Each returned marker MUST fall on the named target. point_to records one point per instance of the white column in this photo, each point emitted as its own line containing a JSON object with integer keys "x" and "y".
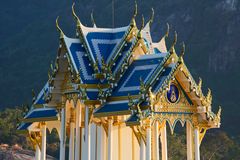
{"x": 78, "y": 138}
{"x": 189, "y": 141}
{"x": 164, "y": 142}
{"x": 142, "y": 150}
{"x": 156, "y": 138}
{"x": 110, "y": 146}
{"x": 44, "y": 136}
{"x": 148, "y": 147}
{"x": 71, "y": 139}
{"x": 197, "y": 145}
{"x": 37, "y": 153}
{"x": 87, "y": 133}
{"x": 63, "y": 135}
{"x": 101, "y": 143}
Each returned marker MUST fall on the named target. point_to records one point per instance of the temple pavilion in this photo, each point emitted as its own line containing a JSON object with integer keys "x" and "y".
{"x": 111, "y": 93}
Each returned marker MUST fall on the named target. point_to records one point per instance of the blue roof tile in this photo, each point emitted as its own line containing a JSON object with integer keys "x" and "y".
{"x": 41, "y": 113}
{"x": 140, "y": 68}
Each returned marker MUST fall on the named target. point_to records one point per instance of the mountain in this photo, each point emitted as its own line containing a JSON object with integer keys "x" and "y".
{"x": 210, "y": 30}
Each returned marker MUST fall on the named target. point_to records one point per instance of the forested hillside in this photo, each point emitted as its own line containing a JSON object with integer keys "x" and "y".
{"x": 210, "y": 30}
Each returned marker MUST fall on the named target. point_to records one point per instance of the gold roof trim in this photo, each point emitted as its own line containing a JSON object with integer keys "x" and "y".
{"x": 120, "y": 98}
{"x": 106, "y": 114}
{"x": 41, "y": 119}
{"x": 94, "y": 86}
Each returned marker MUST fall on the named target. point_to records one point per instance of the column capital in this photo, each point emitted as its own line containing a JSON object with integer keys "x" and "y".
{"x": 195, "y": 121}
{"x": 147, "y": 123}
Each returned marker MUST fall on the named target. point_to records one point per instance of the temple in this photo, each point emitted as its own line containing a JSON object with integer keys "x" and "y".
{"x": 112, "y": 92}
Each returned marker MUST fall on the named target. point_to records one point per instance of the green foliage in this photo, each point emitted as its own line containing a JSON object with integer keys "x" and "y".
{"x": 9, "y": 120}
{"x": 219, "y": 146}
{"x": 216, "y": 145}
{"x": 177, "y": 148}
{"x": 53, "y": 145}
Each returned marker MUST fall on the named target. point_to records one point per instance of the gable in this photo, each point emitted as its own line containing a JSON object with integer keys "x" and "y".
{"x": 103, "y": 43}
{"x": 80, "y": 61}
{"x": 175, "y": 100}
{"x": 142, "y": 68}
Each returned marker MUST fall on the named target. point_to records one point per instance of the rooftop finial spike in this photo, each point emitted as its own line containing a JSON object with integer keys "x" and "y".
{"x": 133, "y": 22}
{"x": 219, "y": 112}
{"x": 183, "y": 49}
{"x": 175, "y": 38}
{"x": 174, "y": 42}
{"x": 152, "y": 17}
{"x": 143, "y": 23}
{"x": 167, "y": 31}
{"x": 200, "y": 83}
{"x": 75, "y": 16}
{"x": 58, "y": 28}
{"x": 93, "y": 20}
{"x": 182, "y": 53}
{"x": 135, "y": 10}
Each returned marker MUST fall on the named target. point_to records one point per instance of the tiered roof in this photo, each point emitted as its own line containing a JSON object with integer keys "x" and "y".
{"x": 115, "y": 69}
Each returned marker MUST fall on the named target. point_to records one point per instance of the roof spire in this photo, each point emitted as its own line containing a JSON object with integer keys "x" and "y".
{"x": 200, "y": 83}
{"x": 152, "y": 17}
{"x": 93, "y": 20}
{"x": 135, "y": 9}
{"x": 183, "y": 49}
{"x": 59, "y": 29}
{"x": 167, "y": 31}
{"x": 174, "y": 42}
{"x": 75, "y": 16}
{"x": 182, "y": 53}
{"x": 142, "y": 26}
{"x": 133, "y": 22}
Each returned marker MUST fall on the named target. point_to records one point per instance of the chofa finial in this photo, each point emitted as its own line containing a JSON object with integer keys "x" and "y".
{"x": 175, "y": 38}
{"x": 152, "y": 17}
{"x": 200, "y": 83}
{"x": 143, "y": 23}
{"x": 58, "y": 28}
{"x": 174, "y": 42}
{"x": 167, "y": 31}
{"x": 75, "y": 15}
{"x": 133, "y": 22}
{"x": 93, "y": 20}
{"x": 183, "y": 50}
{"x": 135, "y": 10}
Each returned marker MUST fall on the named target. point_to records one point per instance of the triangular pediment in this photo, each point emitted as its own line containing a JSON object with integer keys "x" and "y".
{"x": 174, "y": 99}
{"x": 103, "y": 43}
